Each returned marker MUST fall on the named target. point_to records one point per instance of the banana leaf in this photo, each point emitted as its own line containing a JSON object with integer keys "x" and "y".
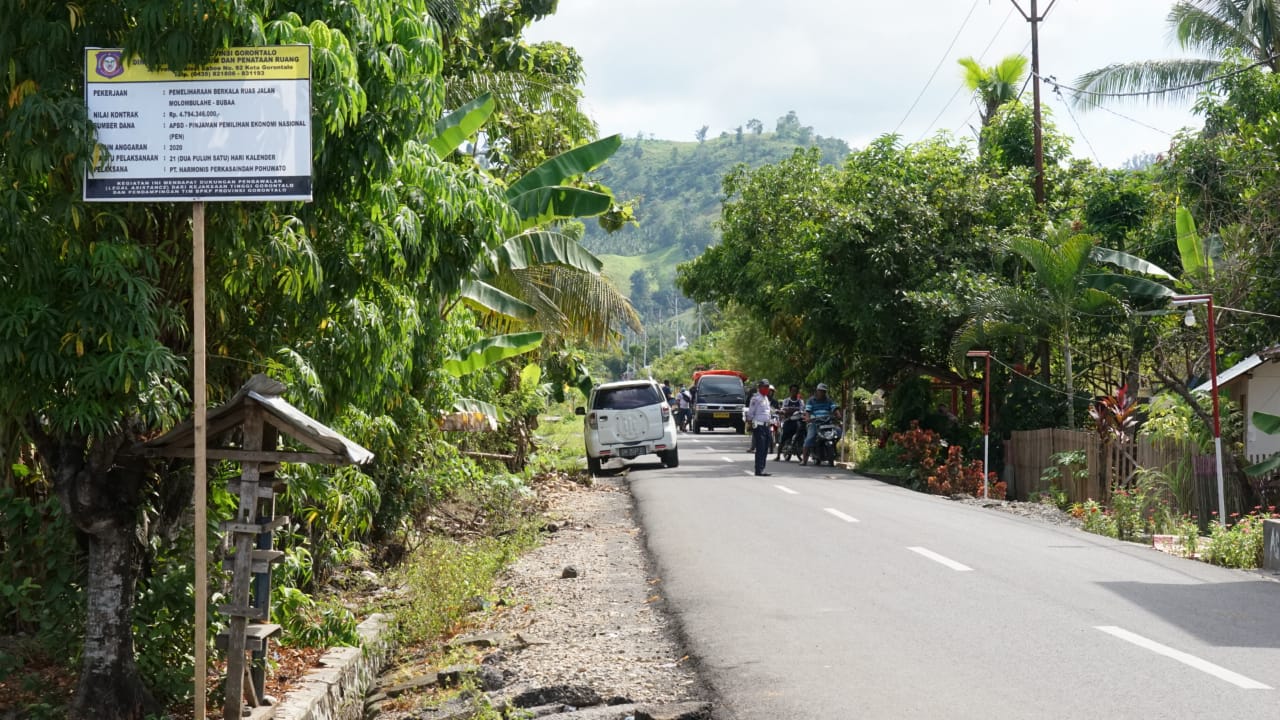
{"x": 490, "y": 350}
{"x": 1128, "y": 262}
{"x": 454, "y": 129}
{"x": 543, "y": 204}
{"x": 487, "y": 298}
{"x": 568, "y": 164}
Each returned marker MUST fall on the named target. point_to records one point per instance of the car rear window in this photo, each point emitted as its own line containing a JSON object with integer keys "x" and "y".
{"x": 627, "y": 398}
{"x": 719, "y": 386}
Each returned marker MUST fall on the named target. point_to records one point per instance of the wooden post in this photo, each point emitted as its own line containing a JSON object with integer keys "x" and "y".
{"x": 242, "y": 566}
{"x": 201, "y": 400}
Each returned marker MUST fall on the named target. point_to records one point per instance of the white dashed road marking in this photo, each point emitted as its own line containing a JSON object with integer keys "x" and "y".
{"x": 1185, "y": 658}
{"x": 786, "y": 490}
{"x": 941, "y": 559}
{"x": 842, "y": 516}
{"x": 726, "y": 459}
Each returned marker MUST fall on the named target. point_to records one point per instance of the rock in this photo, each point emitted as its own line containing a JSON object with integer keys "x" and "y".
{"x": 421, "y": 682}
{"x": 569, "y": 572}
{"x": 453, "y": 675}
{"x": 604, "y": 712}
{"x": 460, "y": 708}
{"x": 618, "y": 700}
{"x": 529, "y": 640}
{"x": 550, "y": 527}
{"x": 675, "y": 711}
{"x": 575, "y": 695}
{"x": 544, "y": 710}
{"x": 491, "y": 678}
{"x": 497, "y": 657}
{"x": 375, "y": 699}
{"x": 484, "y": 640}
{"x": 478, "y": 603}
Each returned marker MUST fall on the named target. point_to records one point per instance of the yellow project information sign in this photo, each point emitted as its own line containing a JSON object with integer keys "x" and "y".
{"x": 276, "y": 62}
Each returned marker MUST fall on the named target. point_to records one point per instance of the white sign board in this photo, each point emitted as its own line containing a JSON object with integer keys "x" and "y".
{"x": 238, "y": 128}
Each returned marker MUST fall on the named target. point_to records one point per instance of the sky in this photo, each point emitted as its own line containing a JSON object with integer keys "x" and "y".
{"x": 854, "y": 68}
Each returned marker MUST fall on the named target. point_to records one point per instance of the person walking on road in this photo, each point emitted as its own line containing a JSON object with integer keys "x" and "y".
{"x": 759, "y": 413}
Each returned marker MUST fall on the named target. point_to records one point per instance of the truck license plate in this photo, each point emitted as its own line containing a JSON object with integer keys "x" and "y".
{"x": 720, "y": 416}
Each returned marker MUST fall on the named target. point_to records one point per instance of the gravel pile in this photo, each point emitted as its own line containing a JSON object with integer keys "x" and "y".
{"x": 1044, "y": 512}
{"x": 581, "y": 633}
{"x": 590, "y": 607}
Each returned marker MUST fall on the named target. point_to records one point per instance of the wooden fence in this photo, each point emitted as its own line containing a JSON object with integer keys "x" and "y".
{"x": 1194, "y": 475}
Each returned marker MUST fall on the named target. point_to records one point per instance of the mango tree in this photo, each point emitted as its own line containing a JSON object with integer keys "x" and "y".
{"x": 342, "y": 294}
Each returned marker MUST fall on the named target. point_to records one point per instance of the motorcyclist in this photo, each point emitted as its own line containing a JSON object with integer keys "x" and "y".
{"x": 684, "y": 403}
{"x": 816, "y": 410}
{"x": 791, "y": 409}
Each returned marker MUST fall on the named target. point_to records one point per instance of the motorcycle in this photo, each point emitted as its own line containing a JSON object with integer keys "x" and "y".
{"x": 795, "y": 443}
{"x": 824, "y": 444}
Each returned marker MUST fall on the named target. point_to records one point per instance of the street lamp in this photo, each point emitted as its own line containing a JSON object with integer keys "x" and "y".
{"x": 1177, "y": 301}
{"x": 986, "y": 416}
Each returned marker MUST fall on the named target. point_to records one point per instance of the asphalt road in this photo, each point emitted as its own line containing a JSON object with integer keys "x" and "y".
{"x": 816, "y": 593}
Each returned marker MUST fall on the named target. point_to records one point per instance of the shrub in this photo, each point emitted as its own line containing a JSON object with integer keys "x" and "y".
{"x": 957, "y": 476}
{"x": 1238, "y": 546}
{"x": 920, "y": 450}
{"x": 1096, "y": 519}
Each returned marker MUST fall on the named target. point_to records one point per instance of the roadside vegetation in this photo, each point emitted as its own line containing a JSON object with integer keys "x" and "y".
{"x": 432, "y": 304}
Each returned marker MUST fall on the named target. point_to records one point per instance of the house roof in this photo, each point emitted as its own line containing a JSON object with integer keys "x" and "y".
{"x": 265, "y": 392}
{"x": 1234, "y": 372}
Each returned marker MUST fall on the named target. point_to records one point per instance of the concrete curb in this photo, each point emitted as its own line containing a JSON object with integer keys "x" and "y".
{"x": 337, "y": 690}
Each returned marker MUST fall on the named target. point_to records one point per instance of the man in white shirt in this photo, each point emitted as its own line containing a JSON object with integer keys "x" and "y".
{"x": 759, "y": 413}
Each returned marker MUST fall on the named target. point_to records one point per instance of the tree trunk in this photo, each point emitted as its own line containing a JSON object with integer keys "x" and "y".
{"x": 101, "y": 493}
{"x": 110, "y": 687}
{"x": 1071, "y": 384}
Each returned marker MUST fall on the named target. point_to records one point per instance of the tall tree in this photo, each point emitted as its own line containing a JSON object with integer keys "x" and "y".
{"x": 341, "y": 294}
{"x": 995, "y": 85}
{"x": 1216, "y": 28}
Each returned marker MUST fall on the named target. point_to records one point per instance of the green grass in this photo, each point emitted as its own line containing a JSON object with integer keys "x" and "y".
{"x": 444, "y": 576}
{"x": 560, "y": 445}
{"x": 619, "y": 268}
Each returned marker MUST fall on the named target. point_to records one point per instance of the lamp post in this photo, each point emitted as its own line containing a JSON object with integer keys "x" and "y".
{"x": 1179, "y": 300}
{"x": 986, "y": 417}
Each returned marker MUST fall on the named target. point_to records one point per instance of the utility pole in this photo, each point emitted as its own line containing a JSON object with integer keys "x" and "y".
{"x": 1035, "y": 17}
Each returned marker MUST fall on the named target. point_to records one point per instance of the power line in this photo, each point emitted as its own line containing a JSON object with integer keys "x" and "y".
{"x": 1076, "y": 122}
{"x": 938, "y": 67}
{"x": 963, "y": 86}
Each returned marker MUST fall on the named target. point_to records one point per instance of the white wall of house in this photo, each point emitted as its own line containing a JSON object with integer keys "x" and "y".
{"x": 1262, "y": 394}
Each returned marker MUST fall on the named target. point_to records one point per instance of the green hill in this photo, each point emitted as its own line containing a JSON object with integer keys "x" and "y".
{"x": 678, "y": 185}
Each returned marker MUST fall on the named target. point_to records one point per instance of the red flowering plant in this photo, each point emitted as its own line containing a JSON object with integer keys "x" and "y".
{"x": 957, "y": 476}
{"x": 920, "y": 450}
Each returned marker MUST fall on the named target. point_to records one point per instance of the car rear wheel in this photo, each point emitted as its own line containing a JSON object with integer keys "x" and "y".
{"x": 741, "y": 428}
{"x": 670, "y": 458}
{"x": 593, "y": 465}
{"x": 697, "y": 429}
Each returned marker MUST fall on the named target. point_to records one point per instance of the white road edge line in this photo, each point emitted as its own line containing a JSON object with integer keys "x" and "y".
{"x": 1185, "y": 658}
{"x": 941, "y": 559}
{"x": 786, "y": 490}
{"x": 726, "y": 459}
{"x": 842, "y": 516}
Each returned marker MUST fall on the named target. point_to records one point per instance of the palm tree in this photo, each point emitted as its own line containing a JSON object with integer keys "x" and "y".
{"x": 1216, "y": 28}
{"x": 996, "y": 85}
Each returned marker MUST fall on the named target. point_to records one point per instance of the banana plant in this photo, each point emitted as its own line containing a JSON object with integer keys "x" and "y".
{"x": 1269, "y": 424}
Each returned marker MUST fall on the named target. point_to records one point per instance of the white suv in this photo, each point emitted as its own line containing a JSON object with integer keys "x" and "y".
{"x": 626, "y": 420}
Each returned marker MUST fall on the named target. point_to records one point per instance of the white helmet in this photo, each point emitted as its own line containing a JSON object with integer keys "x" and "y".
{"x": 822, "y": 386}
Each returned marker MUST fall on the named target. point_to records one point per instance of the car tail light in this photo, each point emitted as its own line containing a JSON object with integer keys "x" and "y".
{"x": 666, "y": 412}
{"x": 591, "y": 420}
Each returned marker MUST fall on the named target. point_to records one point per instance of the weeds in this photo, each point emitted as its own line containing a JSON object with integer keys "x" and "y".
{"x": 442, "y": 578}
